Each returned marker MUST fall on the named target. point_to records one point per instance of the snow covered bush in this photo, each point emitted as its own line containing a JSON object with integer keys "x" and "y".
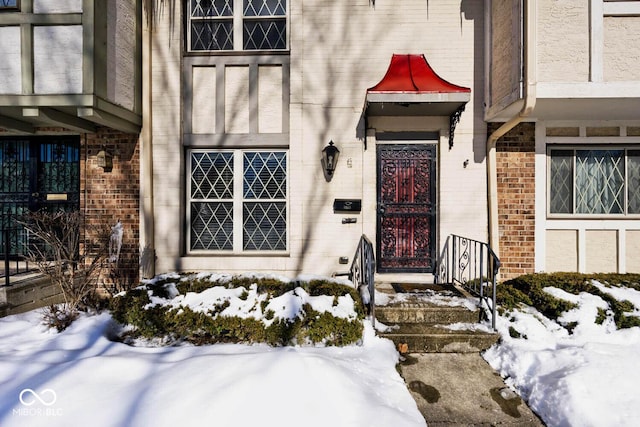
{"x": 212, "y": 308}
{"x": 530, "y": 290}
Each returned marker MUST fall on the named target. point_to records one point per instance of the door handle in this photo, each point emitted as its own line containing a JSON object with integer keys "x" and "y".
{"x": 36, "y": 194}
{"x": 381, "y": 209}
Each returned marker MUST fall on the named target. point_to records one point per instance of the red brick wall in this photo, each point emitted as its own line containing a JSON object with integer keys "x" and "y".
{"x": 515, "y": 162}
{"x": 109, "y": 196}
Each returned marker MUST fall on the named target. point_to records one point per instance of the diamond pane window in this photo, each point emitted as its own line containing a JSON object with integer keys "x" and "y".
{"x": 227, "y": 25}
{"x": 265, "y": 226}
{"x": 237, "y": 200}
{"x": 211, "y": 226}
{"x": 265, "y": 175}
{"x": 265, "y": 34}
{"x": 594, "y": 181}
{"x": 265, "y": 178}
{"x": 265, "y": 7}
{"x": 212, "y": 35}
{"x": 211, "y": 8}
{"x": 211, "y": 175}
{"x": 633, "y": 179}
{"x": 561, "y": 177}
{"x": 599, "y": 181}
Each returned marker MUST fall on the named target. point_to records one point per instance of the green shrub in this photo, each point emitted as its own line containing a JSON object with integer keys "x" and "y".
{"x": 184, "y": 324}
{"x": 528, "y": 289}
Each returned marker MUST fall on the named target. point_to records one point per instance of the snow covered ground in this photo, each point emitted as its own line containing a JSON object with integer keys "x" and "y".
{"x": 588, "y": 378}
{"x": 79, "y": 377}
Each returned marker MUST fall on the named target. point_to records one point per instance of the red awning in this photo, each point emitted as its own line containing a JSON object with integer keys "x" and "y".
{"x": 411, "y": 83}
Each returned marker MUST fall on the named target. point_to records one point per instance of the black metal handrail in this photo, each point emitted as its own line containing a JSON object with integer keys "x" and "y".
{"x": 473, "y": 265}
{"x": 12, "y": 253}
{"x": 362, "y": 273}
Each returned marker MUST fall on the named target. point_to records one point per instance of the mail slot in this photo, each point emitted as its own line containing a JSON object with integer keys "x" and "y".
{"x": 347, "y": 205}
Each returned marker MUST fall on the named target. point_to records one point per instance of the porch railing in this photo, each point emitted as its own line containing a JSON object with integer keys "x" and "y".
{"x": 362, "y": 273}
{"x": 14, "y": 262}
{"x": 474, "y": 266}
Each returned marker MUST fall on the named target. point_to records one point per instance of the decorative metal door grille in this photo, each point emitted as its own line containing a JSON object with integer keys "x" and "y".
{"x": 36, "y": 173}
{"x": 406, "y": 208}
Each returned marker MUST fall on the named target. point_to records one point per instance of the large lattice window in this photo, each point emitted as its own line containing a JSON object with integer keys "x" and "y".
{"x": 237, "y": 201}
{"x": 233, "y": 25}
{"x": 594, "y": 181}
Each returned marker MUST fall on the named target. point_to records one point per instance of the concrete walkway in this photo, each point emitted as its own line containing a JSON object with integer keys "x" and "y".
{"x": 461, "y": 389}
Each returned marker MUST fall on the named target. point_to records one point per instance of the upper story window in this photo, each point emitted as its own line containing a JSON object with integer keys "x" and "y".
{"x": 594, "y": 181}
{"x": 9, "y": 5}
{"x": 237, "y": 25}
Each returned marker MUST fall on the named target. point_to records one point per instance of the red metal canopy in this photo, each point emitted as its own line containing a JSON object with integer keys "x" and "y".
{"x": 413, "y": 74}
{"x": 411, "y": 88}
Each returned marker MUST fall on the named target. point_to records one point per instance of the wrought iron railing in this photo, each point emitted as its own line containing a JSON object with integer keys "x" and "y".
{"x": 474, "y": 266}
{"x": 12, "y": 255}
{"x": 362, "y": 274}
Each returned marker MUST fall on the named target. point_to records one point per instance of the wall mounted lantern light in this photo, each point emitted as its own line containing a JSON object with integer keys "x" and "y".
{"x": 104, "y": 160}
{"x": 330, "y": 155}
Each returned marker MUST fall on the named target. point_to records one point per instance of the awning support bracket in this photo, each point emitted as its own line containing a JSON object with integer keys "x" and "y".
{"x": 453, "y": 122}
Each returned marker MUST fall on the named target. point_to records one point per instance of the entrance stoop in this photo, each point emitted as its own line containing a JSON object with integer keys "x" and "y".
{"x": 432, "y": 318}
{"x": 442, "y": 366}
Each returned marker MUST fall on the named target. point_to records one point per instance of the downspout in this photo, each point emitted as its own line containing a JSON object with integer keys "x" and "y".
{"x": 529, "y": 95}
{"x": 148, "y": 251}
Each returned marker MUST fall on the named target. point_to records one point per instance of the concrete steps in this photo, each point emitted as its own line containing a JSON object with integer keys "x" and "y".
{"x": 417, "y": 324}
{"x": 420, "y": 312}
{"x": 415, "y": 338}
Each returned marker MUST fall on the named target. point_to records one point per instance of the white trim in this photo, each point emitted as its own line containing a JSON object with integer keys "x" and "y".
{"x": 623, "y": 90}
{"x": 540, "y": 194}
{"x": 588, "y": 140}
{"x": 402, "y": 97}
{"x": 582, "y": 250}
{"x": 238, "y": 33}
{"x": 621, "y": 8}
{"x": 596, "y": 64}
{"x": 622, "y": 253}
{"x": 593, "y": 224}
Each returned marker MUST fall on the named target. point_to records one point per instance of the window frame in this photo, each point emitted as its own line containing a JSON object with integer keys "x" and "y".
{"x": 626, "y": 148}
{"x": 238, "y": 19}
{"x": 238, "y": 199}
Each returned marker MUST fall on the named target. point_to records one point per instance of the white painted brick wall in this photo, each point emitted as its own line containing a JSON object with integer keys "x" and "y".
{"x": 338, "y": 50}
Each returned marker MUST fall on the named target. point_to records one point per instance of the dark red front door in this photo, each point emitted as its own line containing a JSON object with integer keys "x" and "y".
{"x": 406, "y": 207}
